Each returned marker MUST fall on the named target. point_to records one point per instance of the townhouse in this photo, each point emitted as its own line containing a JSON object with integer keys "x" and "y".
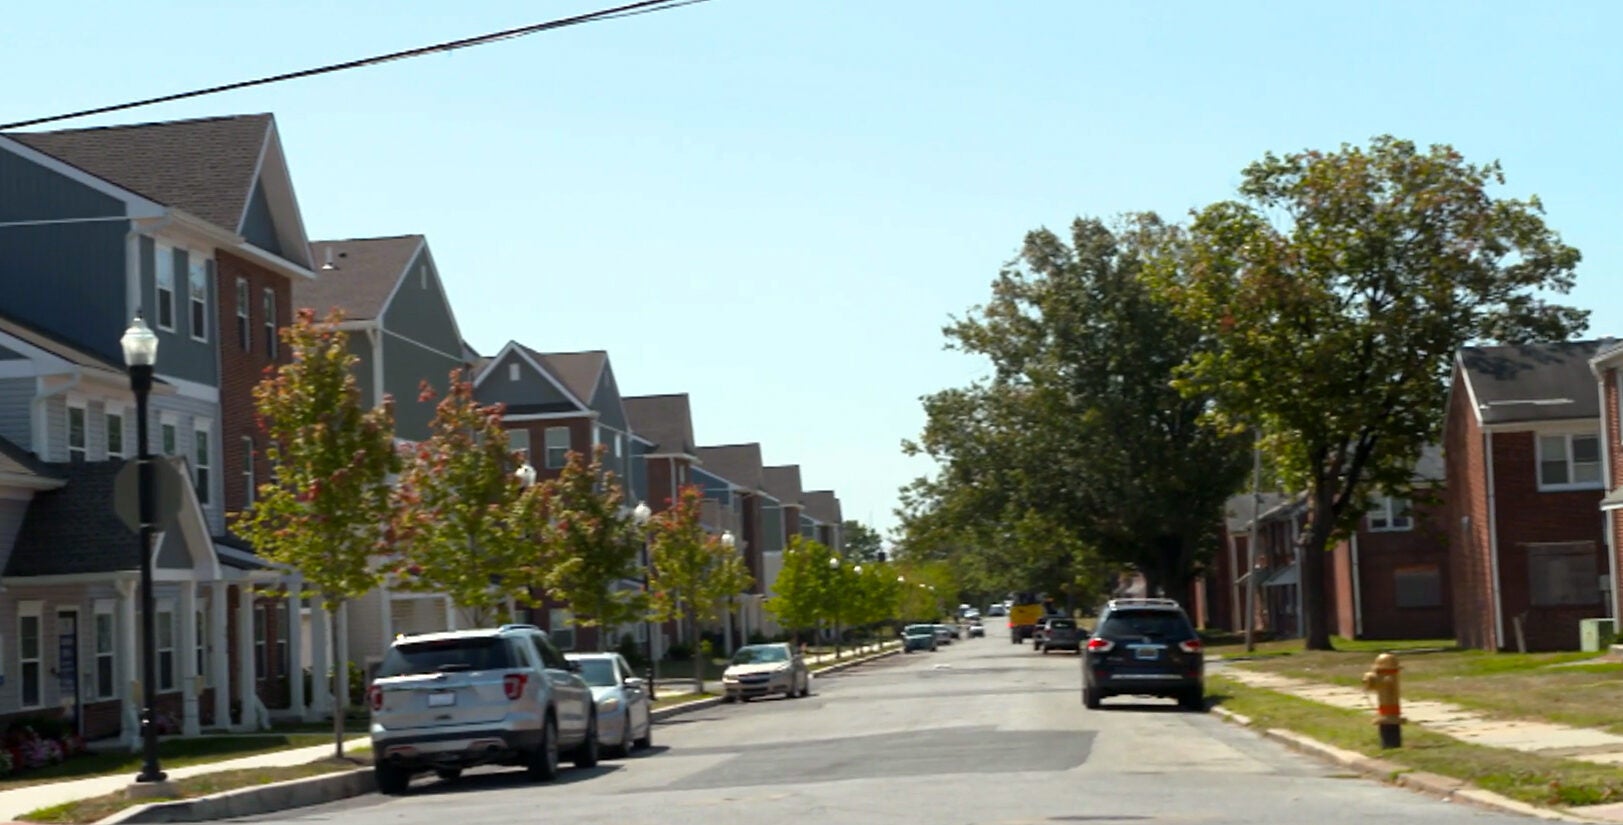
{"x": 1390, "y": 576}
{"x": 762, "y": 521}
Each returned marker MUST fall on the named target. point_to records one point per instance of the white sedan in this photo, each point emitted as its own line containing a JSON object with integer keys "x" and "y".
{"x": 624, "y": 707}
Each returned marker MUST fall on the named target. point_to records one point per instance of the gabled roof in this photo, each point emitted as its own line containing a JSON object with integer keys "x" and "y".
{"x": 738, "y": 463}
{"x": 579, "y": 372}
{"x": 74, "y": 529}
{"x": 364, "y": 274}
{"x": 56, "y": 346}
{"x": 666, "y": 420}
{"x": 782, "y": 482}
{"x": 1238, "y": 510}
{"x": 19, "y": 467}
{"x": 823, "y": 506}
{"x": 1532, "y": 382}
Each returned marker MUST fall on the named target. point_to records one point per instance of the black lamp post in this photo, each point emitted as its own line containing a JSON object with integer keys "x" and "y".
{"x": 641, "y": 515}
{"x": 729, "y": 542}
{"x": 140, "y": 353}
{"x": 834, "y": 572}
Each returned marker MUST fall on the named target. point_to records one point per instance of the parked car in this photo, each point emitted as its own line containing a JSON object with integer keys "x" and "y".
{"x": 944, "y": 634}
{"x": 449, "y": 701}
{"x": 918, "y": 637}
{"x": 996, "y": 610}
{"x": 1144, "y": 647}
{"x": 1060, "y": 633}
{"x": 976, "y": 629}
{"x": 625, "y": 718}
{"x": 762, "y": 670}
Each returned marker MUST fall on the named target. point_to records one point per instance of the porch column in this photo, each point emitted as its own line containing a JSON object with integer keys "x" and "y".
{"x": 295, "y": 645}
{"x": 130, "y": 685}
{"x": 320, "y": 660}
{"x": 191, "y": 684}
{"x": 341, "y": 664}
{"x": 246, "y": 696}
{"x": 220, "y": 651}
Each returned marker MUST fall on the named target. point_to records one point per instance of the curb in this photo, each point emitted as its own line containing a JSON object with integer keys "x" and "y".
{"x": 661, "y": 714}
{"x": 837, "y": 667}
{"x": 1445, "y": 788}
{"x": 263, "y": 799}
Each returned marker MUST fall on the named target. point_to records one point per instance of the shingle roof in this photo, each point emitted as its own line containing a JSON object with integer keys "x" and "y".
{"x": 577, "y": 371}
{"x": 666, "y": 420}
{"x": 205, "y": 167}
{"x": 13, "y": 458}
{"x": 823, "y": 506}
{"x": 363, "y": 275}
{"x": 782, "y": 482}
{"x": 74, "y": 529}
{"x": 1533, "y": 382}
{"x": 738, "y": 463}
{"x": 56, "y": 346}
{"x": 1238, "y": 510}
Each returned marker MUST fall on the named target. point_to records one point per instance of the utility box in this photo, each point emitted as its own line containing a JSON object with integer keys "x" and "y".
{"x": 1595, "y": 634}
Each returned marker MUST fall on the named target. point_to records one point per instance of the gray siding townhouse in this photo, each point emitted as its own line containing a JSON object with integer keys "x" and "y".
{"x": 761, "y": 517}
{"x": 823, "y": 507}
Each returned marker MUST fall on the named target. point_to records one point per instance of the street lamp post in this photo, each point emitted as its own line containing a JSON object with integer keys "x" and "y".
{"x": 834, "y": 572}
{"x": 858, "y": 571}
{"x": 729, "y": 542}
{"x": 140, "y": 346}
{"x": 641, "y": 514}
{"x": 526, "y": 479}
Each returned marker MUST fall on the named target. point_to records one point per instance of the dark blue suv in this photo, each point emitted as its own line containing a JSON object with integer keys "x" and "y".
{"x": 1144, "y": 647}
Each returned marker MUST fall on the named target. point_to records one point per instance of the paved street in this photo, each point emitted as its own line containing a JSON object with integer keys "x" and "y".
{"x": 982, "y": 732}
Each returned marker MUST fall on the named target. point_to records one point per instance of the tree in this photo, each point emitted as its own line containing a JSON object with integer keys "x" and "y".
{"x": 862, "y": 543}
{"x": 465, "y": 524}
{"x": 797, "y": 592}
{"x": 593, "y": 547}
{"x": 693, "y": 571}
{"x": 326, "y": 508}
{"x": 1337, "y": 289}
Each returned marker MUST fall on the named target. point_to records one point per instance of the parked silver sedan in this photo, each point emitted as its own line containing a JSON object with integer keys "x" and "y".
{"x": 624, "y": 707}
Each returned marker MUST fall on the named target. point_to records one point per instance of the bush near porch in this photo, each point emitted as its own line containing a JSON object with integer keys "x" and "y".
{"x": 37, "y": 742}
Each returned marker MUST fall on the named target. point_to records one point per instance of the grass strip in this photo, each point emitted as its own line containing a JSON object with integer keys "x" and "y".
{"x": 1527, "y": 777}
{"x": 174, "y": 753}
{"x": 97, "y": 808}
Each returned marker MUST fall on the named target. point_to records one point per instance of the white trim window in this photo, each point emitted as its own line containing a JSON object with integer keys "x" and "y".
{"x": 78, "y": 431}
{"x": 168, "y": 436}
{"x": 513, "y": 372}
{"x": 166, "y": 647}
{"x": 163, "y": 271}
{"x": 245, "y": 327}
{"x": 1390, "y": 515}
{"x": 31, "y": 654}
{"x": 248, "y": 485}
{"x": 104, "y": 673}
{"x": 115, "y": 432}
{"x": 557, "y": 443}
{"x": 518, "y": 441}
{"x": 197, "y": 296}
{"x": 202, "y": 460}
{"x": 261, "y": 648}
{"x": 269, "y": 300}
{"x": 1570, "y": 461}
{"x": 283, "y": 664}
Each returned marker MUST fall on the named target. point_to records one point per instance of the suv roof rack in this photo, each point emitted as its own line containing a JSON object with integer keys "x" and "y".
{"x": 1145, "y": 603}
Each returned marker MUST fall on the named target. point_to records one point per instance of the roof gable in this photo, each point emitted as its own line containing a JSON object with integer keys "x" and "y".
{"x": 19, "y": 467}
{"x": 823, "y": 506}
{"x": 783, "y": 482}
{"x": 667, "y": 420}
{"x": 738, "y": 463}
{"x": 580, "y": 372}
{"x": 536, "y": 391}
{"x": 357, "y": 275}
{"x": 1529, "y": 383}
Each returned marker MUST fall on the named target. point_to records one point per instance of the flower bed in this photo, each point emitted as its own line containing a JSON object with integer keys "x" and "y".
{"x": 30, "y": 744}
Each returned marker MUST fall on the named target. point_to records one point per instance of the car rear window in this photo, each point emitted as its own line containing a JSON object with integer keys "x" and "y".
{"x": 1061, "y": 624}
{"x": 1164, "y": 625}
{"x": 448, "y": 656}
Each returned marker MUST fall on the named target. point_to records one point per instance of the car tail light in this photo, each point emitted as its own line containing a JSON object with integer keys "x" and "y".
{"x": 513, "y": 683}
{"x": 375, "y": 697}
{"x": 1190, "y": 646}
{"x": 1100, "y": 645}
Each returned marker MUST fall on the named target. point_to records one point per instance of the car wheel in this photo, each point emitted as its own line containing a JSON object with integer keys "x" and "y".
{"x": 586, "y": 755}
{"x": 543, "y": 764}
{"x": 448, "y": 774}
{"x": 647, "y": 740}
{"x": 1193, "y": 699}
{"x": 1090, "y": 698}
{"x": 393, "y": 780}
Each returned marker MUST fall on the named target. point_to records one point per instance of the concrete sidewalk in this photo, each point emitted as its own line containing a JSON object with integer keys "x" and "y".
{"x": 14, "y": 803}
{"x": 1542, "y": 738}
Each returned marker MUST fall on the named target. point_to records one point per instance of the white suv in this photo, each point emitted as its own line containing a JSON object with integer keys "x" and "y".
{"x": 449, "y": 701}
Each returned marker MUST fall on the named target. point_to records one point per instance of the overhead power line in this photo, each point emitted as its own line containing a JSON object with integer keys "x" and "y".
{"x": 627, "y": 10}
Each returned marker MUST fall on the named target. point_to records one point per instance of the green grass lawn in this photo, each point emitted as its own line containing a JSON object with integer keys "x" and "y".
{"x": 1539, "y": 780}
{"x": 97, "y": 808}
{"x": 174, "y": 753}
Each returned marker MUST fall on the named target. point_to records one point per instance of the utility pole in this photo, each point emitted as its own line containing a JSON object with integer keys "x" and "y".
{"x": 1251, "y": 543}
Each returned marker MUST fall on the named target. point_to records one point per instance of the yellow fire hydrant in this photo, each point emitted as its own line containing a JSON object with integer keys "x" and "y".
{"x": 1388, "y": 710}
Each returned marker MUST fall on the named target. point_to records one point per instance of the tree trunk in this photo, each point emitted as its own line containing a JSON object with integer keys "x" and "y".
{"x": 1310, "y": 545}
{"x": 340, "y": 701}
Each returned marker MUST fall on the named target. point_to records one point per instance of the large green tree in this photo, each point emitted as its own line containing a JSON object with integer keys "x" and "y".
{"x": 797, "y": 592}
{"x": 861, "y": 542}
{"x": 694, "y": 572}
{"x": 1337, "y": 288}
{"x": 594, "y": 547}
{"x": 326, "y": 508}
{"x": 466, "y": 525}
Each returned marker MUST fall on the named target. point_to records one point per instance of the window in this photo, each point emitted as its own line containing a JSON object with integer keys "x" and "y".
{"x": 282, "y": 630}
{"x": 557, "y": 447}
{"x": 31, "y": 653}
{"x": 248, "y": 485}
{"x": 261, "y": 649}
{"x": 518, "y": 441}
{"x": 197, "y": 293}
{"x": 115, "y": 434}
{"x": 166, "y": 647}
{"x": 169, "y": 435}
{"x": 1562, "y": 573}
{"x": 1388, "y": 514}
{"x": 1568, "y": 461}
{"x": 617, "y": 446}
{"x": 164, "y": 271}
{"x": 1418, "y": 585}
{"x": 562, "y": 632}
{"x": 422, "y": 276}
{"x": 202, "y": 644}
{"x": 270, "y": 322}
{"x": 77, "y": 437}
{"x": 513, "y": 373}
{"x": 245, "y": 329}
{"x": 200, "y": 437}
{"x": 106, "y": 674}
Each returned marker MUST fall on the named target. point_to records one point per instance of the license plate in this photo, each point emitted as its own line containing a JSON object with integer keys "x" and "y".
{"x": 440, "y": 700}
{"x": 1149, "y": 653}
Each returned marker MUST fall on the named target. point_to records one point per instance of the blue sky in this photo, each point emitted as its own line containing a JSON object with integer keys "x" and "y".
{"x": 774, "y": 205}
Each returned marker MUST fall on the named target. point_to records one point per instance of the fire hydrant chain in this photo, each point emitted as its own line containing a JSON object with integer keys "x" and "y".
{"x": 1383, "y": 681}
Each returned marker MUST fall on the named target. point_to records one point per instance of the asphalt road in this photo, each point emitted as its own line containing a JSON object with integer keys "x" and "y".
{"x": 981, "y": 733}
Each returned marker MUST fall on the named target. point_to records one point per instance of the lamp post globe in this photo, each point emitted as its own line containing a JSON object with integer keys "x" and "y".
{"x": 727, "y": 539}
{"x": 140, "y": 345}
{"x": 641, "y": 514}
{"x": 525, "y": 475}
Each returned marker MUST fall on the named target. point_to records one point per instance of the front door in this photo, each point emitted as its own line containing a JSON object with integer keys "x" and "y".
{"x": 67, "y": 665}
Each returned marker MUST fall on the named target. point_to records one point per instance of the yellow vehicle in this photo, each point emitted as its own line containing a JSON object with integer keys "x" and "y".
{"x": 1027, "y": 609}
